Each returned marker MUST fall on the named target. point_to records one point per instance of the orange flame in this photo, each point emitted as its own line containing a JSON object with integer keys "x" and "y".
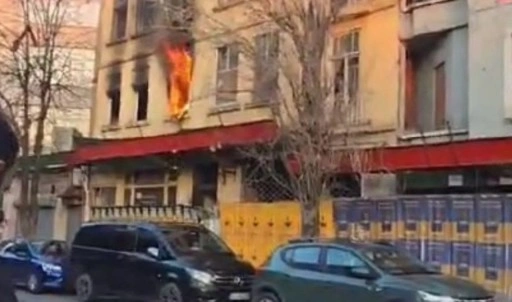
{"x": 180, "y": 78}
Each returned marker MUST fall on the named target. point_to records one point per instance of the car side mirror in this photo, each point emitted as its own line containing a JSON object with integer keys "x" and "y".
{"x": 153, "y": 252}
{"x": 362, "y": 272}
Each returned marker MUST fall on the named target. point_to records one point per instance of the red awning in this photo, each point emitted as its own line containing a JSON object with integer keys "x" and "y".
{"x": 476, "y": 152}
{"x": 237, "y": 135}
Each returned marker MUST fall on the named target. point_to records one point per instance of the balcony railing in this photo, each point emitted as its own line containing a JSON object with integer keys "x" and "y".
{"x": 157, "y": 214}
{"x": 415, "y": 3}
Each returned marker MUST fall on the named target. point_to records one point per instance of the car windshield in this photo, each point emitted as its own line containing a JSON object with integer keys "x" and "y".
{"x": 187, "y": 239}
{"x": 396, "y": 262}
{"x": 49, "y": 248}
{"x": 37, "y": 246}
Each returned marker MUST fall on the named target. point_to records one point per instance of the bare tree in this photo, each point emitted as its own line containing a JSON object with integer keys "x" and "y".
{"x": 35, "y": 78}
{"x": 313, "y": 100}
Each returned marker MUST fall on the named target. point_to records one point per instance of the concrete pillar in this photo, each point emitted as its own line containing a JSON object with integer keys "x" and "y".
{"x": 229, "y": 183}
{"x": 184, "y": 186}
{"x": 60, "y": 221}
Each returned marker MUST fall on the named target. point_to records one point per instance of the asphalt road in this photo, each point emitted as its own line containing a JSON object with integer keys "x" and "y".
{"x": 26, "y": 297}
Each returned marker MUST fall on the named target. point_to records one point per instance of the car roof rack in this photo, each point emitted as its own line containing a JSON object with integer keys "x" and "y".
{"x": 302, "y": 240}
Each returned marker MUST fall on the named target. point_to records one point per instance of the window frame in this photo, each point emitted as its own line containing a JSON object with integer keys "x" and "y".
{"x": 309, "y": 267}
{"x": 370, "y": 267}
{"x": 341, "y": 59}
{"x": 263, "y": 78}
{"x": 227, "y": 71}
{"x": 170, "y": 180}
{"x": 143, "y": 6}
{"x": 120, "y": 9}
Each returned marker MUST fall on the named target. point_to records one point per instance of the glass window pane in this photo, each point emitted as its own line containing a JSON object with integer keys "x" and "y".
{"x": 149, "y": 196}
{"x": 145, "y": 240}
{"x": 306, "y": 255}
{"x": 341, "y": 258}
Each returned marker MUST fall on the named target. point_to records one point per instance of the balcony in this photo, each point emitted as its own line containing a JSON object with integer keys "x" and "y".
{"x": 423, "y": 17}
{"x": 155, "y": 214}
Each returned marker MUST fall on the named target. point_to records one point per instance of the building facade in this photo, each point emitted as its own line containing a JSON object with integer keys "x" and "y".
{"x": 67, "y": 117}
{"x": 144, "y": 157}
{"x": 456, "y": 97}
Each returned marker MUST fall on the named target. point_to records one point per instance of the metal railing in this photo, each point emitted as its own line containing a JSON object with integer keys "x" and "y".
{"x": 177, "y": 213}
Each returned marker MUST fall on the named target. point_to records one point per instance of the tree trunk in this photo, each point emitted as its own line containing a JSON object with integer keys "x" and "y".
{"x": 310, "y": 219}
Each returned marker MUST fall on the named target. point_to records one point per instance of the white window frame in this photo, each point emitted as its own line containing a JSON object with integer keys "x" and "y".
{"x": 341, "y": 55}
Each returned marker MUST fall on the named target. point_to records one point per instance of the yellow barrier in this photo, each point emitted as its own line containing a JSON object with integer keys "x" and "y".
{"x": 254, "y": 230}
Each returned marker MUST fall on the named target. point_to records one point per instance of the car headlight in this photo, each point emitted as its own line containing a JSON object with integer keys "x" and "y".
{"x": 200, "y": 276}
{"x": 426, "y": 297}
{"x": 51, "y": 268}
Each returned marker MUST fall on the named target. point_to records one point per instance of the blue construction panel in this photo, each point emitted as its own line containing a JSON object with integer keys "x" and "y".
{"x": 412, "y": 211}
{"x": 364, "y": 213}
{"x": 438, "y": 211}
{"x": 463, "y": 258}
{"x": 386, "y": 215}
{"x": 491, "y": 258}
{"x": 490, "y": 212}
{"x": 463, "y": 213}
{"x": 342, "y": 214}
{"x": 507, "y": 200}
{"x": 438, "y": 253}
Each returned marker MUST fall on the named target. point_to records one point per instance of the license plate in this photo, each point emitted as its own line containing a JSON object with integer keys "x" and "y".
{"x": 239, "y": 297}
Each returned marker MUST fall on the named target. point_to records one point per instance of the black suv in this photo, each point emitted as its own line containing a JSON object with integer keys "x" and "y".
{"x": 146, "y": 262}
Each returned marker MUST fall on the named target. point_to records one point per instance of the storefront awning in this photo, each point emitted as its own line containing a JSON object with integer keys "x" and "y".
{"x": 476, "y": 152}
{"x": 219, "y": 137}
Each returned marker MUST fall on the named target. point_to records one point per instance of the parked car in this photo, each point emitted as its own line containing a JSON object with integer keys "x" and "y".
{"x": 326, "y": 270}
{"x": 31, "y": 265}
{"x": 146, "y": 262}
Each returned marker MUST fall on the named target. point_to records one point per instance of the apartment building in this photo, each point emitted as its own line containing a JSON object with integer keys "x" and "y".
{"x": 456, "y": 97}
{"x": 143, "y": 156}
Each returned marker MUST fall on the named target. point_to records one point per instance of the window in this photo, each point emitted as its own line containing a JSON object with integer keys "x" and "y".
{"x": 150, "y": 188}
{"x": 105, "y": 196}
{"x": 440, "y": 97}
{"x": 141, "y": 88}
{"x": 266, "y": 66}
{"x": 145, "y": 240}
{"x": 339, "y": 261}
{"x": 121, "y": 239}
{"x": 114, "y": 95}
{"x": 306, "y": 257}
{"x": 119, "y": 19}
{"x": 146, "y": 15}
{"x": 227, "y": 73}
{"x": 346, "y": 67}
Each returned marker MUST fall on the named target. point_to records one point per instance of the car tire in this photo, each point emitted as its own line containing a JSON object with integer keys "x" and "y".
{"x": 170, "y": 292}
{"x": 34, "y": 283}
{"x": 84, "y": 288}
{"x": 266, "y": 297}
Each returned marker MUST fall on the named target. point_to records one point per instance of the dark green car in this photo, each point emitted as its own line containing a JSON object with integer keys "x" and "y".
{"x": 339, "y": 270}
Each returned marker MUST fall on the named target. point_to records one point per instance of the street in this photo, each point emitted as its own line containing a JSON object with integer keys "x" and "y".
{"x": 26, "y": 297}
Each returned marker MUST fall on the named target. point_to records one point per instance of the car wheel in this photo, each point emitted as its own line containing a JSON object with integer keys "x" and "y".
{"x": 266, "y": 297}
{"x": 170, "y": 293}
{"x": 35, "y": 283}
{"x": 84, "y": 288}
